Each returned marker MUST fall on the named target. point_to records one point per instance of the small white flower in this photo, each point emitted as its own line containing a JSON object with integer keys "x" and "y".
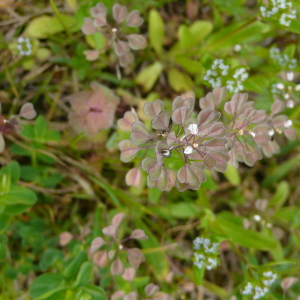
{"x": 280, "y": 86}
{"x": 188, "y": 150}
{"x": 271, "y": 132}
{"x": 193, "y": 128}
{"x": 248, "y": 289}
{"x": 290, "y": 104}
{"x": 257, "y": 218}
{"x": 252, "y": 133}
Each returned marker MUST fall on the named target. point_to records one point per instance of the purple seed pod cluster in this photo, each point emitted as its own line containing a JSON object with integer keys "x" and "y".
{"x": 115, "y": 249}
{"x": 200, "y": 141}
{"x": 8, "y": 126}
{"x": 117, "y": 39}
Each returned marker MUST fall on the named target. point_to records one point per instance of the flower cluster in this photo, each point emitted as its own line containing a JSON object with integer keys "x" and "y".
{"x": 151, "y": 292}
{"x": 236, "y": 85}
{"x": 282, "y": 59}
{"x": 216, "y": 76}
{"x": 206, "y": 253}
{"x": 260, "y": 288}
{"x": 115, "y": 247}
{"x": 117, "y": 39}
{"x": 279, "y": 10}
{"x": 202, "y": 141}
{"x": 24, "y": 46}
{"x": 93, "y": 110}
{"x": 10, "y": 125}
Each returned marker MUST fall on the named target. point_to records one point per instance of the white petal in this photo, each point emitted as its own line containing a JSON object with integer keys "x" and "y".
{"x": 193, "y": 128}
{"x": 188, "y": 150}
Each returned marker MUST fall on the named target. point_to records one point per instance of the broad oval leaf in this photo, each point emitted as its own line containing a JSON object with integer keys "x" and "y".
{"x": 140, "y": 134}
{"x": 152, "y": 109}
{"x": 128, "y": 150}
{"x": 161, "y": 122}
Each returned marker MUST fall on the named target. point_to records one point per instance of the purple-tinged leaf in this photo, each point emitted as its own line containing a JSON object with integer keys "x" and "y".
{"x": 111, "y": 254}
{"x": 150, "y": 289}
{"x": 134, "y": 178}
{"x": 208, "y": 102}
{"x": 135, "y": 257}
{"x": 137, "y": 41}
{"x": 117, "y": 267}
{"x": 233, "y": 161}
{"x": 150, "y": 165}
{"x": 128, "y": 274}
{"x": 199, "y": 173}
{"x": 27, "y": 111}
{"x": 125, "y": 124}
{"x": 209, "y": 163}
{"x": 162, "y": 121}
{"x": 134, "y": 19}
{"x": 152, "y": 109}
{"x": 100, "y": 258}
{"x": 100, "y": 8}
{"x": 140, "y": 134}
{"x": 97, "y": 243}
{"x": 159, "y": 150}
{"x": 151, "y": 183}
{"x": 288, "y": 282}
{"x": 162, "y": 181}
{"x": 88, "y": 27}
{"x": 219, "y": 95}
{"x": 139, "y": 234}
{"x": 188, "y": 94}
{"x": 259, "y": 117}
{"x": 161, "y": 296}
{"x": 180, "y": 102}
{"x": 180, "y": 115}
{"x": 171, "y": 177}
{"x": 221, "y": 159}
{"x": 117, "y": 295}
{"x": 110, "y": 230}
{"x": 171, "y": 139}
{"x": 91, "y": 55}
{"x": 217, "y": 130}
{"x": 126, "y": 59}
{"x": 271, "y": 148}
{"x": 251, "y": 157}
{"x": 100, "y": 20}
{"x": 121, "y": 47}
{"x": 277, "y": 107}
{"x": 235, "y": 104}
{"x": 278, "y": 121}
{"x": 128, "y": 150}
{"x": 290, "y": 133}
{"x": 119, "y": 13}
{"x": 186, "y": 175}
{"x": 131, "y": 296}
{"x": 181, "y": 187}
{"x": 216, "y": 144}
{"x": 208, "y": 116}
{"x": 65, "y": 238}
{"x": 117, "y": 219}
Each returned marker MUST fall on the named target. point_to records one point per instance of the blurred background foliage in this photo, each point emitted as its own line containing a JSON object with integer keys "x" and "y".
{"x": 53, "y": 180}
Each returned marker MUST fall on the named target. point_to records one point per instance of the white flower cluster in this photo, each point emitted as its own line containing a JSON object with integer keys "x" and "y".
{"x": 214, "y": 75}
{"x": 283, "y": 59}
{"x": 24, "y": 46}
{"x": 235, "y": 85}
{"x": 206, "y": 255}
{"x": 281, "y": 9}
{"x": 260, "y": 290}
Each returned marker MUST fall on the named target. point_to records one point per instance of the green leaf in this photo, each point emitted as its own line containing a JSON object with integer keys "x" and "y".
{"x": 244, "y": 237}
{"x": 290, "y": 50}
{"x": 28, "y": 132}
{"x": 198, "y": 275}
{"x": 236, "y": 34}
{"x": 183, "y": 210}
{"x": 46, "y": 285}
{"x": 295, "y": 26}
{"x": 200, "y": 30}
{"x": 232, "y": 175}
{"x": 14, "y": 168}
{"x": 49, "y": 258}
{"x": 192, "y": 66}
{"x": 45, "y": 26}
{"x": 97, "y": 292}
{"x": 40, "y": 127}
{"x": 3, "y": 220}
{"x": 71, "y": 271}
{"x": 18, "y": 194}
{"x": 281, "y": 195}
{"x": 186, "y": 39}
{"x": 180, "y": 82}
{"x": 148, "y": 76}
{"x": 2, "y": 251}
{"x": 85, "y": 274}
{"x": 156, "y": 31}
{"x": 250, "y": 85}
{"x": 12, "y": 210}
